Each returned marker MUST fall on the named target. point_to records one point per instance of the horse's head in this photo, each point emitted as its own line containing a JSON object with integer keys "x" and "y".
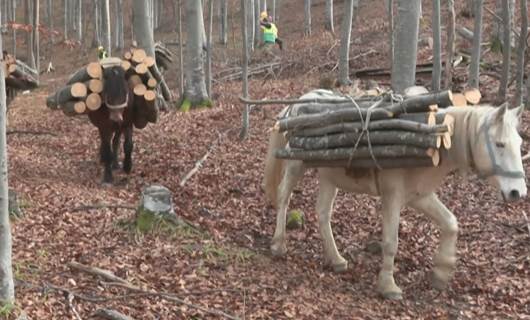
{"x": 116, "y": 93}
{"x": 496, "y": 152}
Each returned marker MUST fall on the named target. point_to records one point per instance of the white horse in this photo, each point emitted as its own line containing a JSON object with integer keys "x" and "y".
{"x": 485, "y": 140}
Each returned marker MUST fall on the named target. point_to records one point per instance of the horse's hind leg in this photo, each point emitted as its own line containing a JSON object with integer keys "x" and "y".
{"x": 445, "y": 259}
{"x": 128, "y": 148}
{"x": 326, "y": 197}
{"x": 116, "y": 149}
{"x": 294, "y": 170}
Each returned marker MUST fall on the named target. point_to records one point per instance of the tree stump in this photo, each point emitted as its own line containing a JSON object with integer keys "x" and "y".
{"x": 155, "y": 208}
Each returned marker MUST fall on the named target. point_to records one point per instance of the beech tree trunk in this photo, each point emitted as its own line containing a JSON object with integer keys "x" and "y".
{"x": 244, "y": 23}
{"x": 195, "y": 88}
{"x": 450, "y": 46}
{"x": 344, "y": 50}
{"x": 250, "y": 25}
{"x": 36, "y": 37}
{"x": 30, "y": 35}
{"x": 7, "y": 287}
{"x": 14, "y": 19}
{"x": 474, "y": 68}
{"x": 209, "y": 49}
{"x": 119, "y": 34}
{"x": 497, "y": 36}
{"x": 223, "y": 22}
{"x": 519, "y": 73}
{"x": 307, "y": 18}
{"x": 437, "y": 47}
{"x": 105, "y": 15}
{"x": 257, "y": 27}
{"x": 405, "y": 44}
{"x": 506, "y": 50}
{"x": 328, "y": 24}
{"x": 181, "y": 51}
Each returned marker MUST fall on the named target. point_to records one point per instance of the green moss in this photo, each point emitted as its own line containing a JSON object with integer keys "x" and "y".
{"x": 496, "y": 45}
{"x": 295, "y": 219}
{"x": 6, "y": 309}
{"x": 185, "y": 106}
{"x": 208, "y": 103}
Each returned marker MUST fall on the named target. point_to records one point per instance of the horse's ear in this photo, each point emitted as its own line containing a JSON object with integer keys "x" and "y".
{"x": 518, "y": 112}
{"x": 500, "y": 112}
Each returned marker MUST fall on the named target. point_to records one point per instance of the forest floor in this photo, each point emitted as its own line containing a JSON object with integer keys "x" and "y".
{"x": 223, "y": 262}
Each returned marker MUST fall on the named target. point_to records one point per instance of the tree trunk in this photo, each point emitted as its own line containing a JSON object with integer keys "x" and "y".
{"x": 7, "y": 288}
{"x": 390, "y": 12}
{"x": 181, "y": 53}
{"x": 274, "y": 15}
{"x": 209, "y": 49}
{"x": 223, "y": 22}
{"x": 142, "y": 27}
{"x": 36, "y": 37}
{"x": 437, "y": 47}
{"x": 497, "y": 36}
{"x": 105, "y": 15}
{"x": 519, "y": 73}
{"x": 344, "y": 51}
{"x": 474, "y": 69}
{"x": 244, "y": 23}
{"x": 263, "y": 5}
{"x": 30, "y": 35}
{"x": 307, "y": 18}
{"x": 405, "y": 44}
{"x": 257, "y": 27}
{"x": 328, "y": 24}
{"x": 97, "y": 24}
{"x": 14, "y": 19}
{"x": 195, "y": 88}
{"x": 120, "y": 41}
{"x": 65, "y": 19}
{"x": 450, "y": 46}
{"x": 250, "y": 25}
{"x": 506, "y": 50}
{"x": 79, "y": 20}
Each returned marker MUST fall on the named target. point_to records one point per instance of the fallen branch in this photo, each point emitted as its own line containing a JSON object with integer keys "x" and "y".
{"x": 526, "y": 157}
{"x": 105, "y": 274}
{"x": 103, "y": 206}
{"x": 31, "y": 132}
{"x": 111, "y": 315}
{"x": 70, "y": 299}
{"x": 293, "y": 101}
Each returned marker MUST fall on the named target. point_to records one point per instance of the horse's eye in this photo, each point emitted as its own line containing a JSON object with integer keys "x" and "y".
{"x": 500, "y": 145}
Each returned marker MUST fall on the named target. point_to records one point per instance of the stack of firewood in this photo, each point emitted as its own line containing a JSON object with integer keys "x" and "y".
{"x": 84, "y": 89}
{"x": 369, "y": 132}
{"x": 18, "y": 76}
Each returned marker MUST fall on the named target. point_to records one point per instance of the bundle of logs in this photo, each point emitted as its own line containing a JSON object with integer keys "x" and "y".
{"x": 84, "y": 89}
{"x": 18, "y": 76}
{"x": 369, "y": 132}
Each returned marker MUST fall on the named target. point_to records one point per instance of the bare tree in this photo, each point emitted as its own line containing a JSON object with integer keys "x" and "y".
{"x": 105, "y": 19}
{"x": 7, "y": 287}
{"x": 118, "y": 33}
{"x": 344, "y": 50}
{"x": 519, "y": 73}
{"x": 29, "y": 35}
{"x": 179, "y": 41}
{"x": 450, "y": 46}
{"x": 274, "y": 15}
{"x": 36, "y": 37}
{"x": 14, "y": 19}
{"x": 405, "y": 44}
{"x": 307, "y": 18}
{"x": 97, "y": 24}
{"x": 328, "y": 24}
{"x": 79, "y": 19}
{"x": 65, "y": 20}
{"x": 474, "y": 69}
{"x": 251, "y": 17}
{"x": 223, "y": 22}
{"x": 195, "y": 86}
{"x": 506, "y": 51}
{"x": 390, "y": 12}
{"x": 263, "y": 5}
{"x": 257, "y": 26}
{"x": 437, "y": 46}
{"x": 244, "y": 23}
{"x": 497, "y": 36}
{"x": 209, "y": 49}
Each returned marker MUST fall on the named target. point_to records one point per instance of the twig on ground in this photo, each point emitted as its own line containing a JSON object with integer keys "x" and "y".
{"x": 111, "y": 315}
{"x": 70, "y": 299}
{"x": 103, "y": 206}
{"x": 105, "y": 274}
{"x": 31, "y": 132}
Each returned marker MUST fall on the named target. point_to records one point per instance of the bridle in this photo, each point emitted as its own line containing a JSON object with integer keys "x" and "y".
{"x": 496, "y": 169}
{"x": 118, "y": 106}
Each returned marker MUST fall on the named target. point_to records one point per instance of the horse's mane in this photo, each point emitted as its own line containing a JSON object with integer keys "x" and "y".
{"x": 115, "y": 87}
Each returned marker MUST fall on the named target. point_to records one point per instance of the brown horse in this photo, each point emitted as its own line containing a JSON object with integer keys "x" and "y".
{"x": 114, "y": 118}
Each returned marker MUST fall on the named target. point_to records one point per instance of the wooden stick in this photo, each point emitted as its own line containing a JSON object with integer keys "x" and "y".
{"x": 384, "y": 151}
{"x": 105, "y": 274}
{"x": 294, "y": 101}
{"x": 93, "y": 101}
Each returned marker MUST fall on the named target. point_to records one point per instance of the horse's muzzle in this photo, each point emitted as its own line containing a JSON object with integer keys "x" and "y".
{"x": 513, "y": 195}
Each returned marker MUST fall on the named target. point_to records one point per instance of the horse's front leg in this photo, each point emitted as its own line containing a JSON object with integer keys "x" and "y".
{"x": 294, "y": 170}
{"x": 106, "y": 154}
{"x": 445, "y": 259}
{"x": 116, "y": 149}
{"x": 392, "y": 203}
{"x": 326, "y": 197}
{"x": 128, "y": 148}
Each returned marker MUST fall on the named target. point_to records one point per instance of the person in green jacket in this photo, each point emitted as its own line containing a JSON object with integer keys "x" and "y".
{"x": 270, "y": 31}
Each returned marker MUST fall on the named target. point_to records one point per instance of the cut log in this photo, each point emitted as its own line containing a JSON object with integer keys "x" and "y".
{"x": 392, "y": 124}
{"x": 150, "y": 109}
{"x": 313, "y": 108}
{"x": 141, "y": 68}
{"x": 149, "y": 61}
{"x": 92, "y": 71}
{"x": 93, "y": 101}
{"x": 139, "y": 116}
{"x": 151, "y": 83}
{"x": 140, "y": 89}
{"x": 134, "y": 80}
{"x": 384, "y": 151}
{"x": 384, "y": 163}
{"x": 166, "y": 93}
{"x": 350, "y": 139}
{"x": 19, "y": 84}
{"x": 80, "y": 107}
{"x": 423, "y": 103}
{"x": 127, "y": 55}
{"x": 459, "y": 100}
{"x": 95, "y": 86}
{"x": 126, "y": 65}
{"x": 70, "y": 92}
{"x": 317, "y": 120}
{"x": 138, "y": 55}
{"x": 69, "y": 108}
{"x": 472, "y": 95}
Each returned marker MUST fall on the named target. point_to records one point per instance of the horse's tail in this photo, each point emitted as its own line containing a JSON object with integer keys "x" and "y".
{"x": 273, "y": 167}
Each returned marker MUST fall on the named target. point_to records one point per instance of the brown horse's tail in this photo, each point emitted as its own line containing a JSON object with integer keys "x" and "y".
{"x": 273, "y": 167}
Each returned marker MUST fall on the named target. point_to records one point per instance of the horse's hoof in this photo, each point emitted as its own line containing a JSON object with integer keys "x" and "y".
{"x": 392, "y": 295}
{"x": 278, "y": 250}
{"x": 340, "y": 267}
{"x": 127, "y": 167}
